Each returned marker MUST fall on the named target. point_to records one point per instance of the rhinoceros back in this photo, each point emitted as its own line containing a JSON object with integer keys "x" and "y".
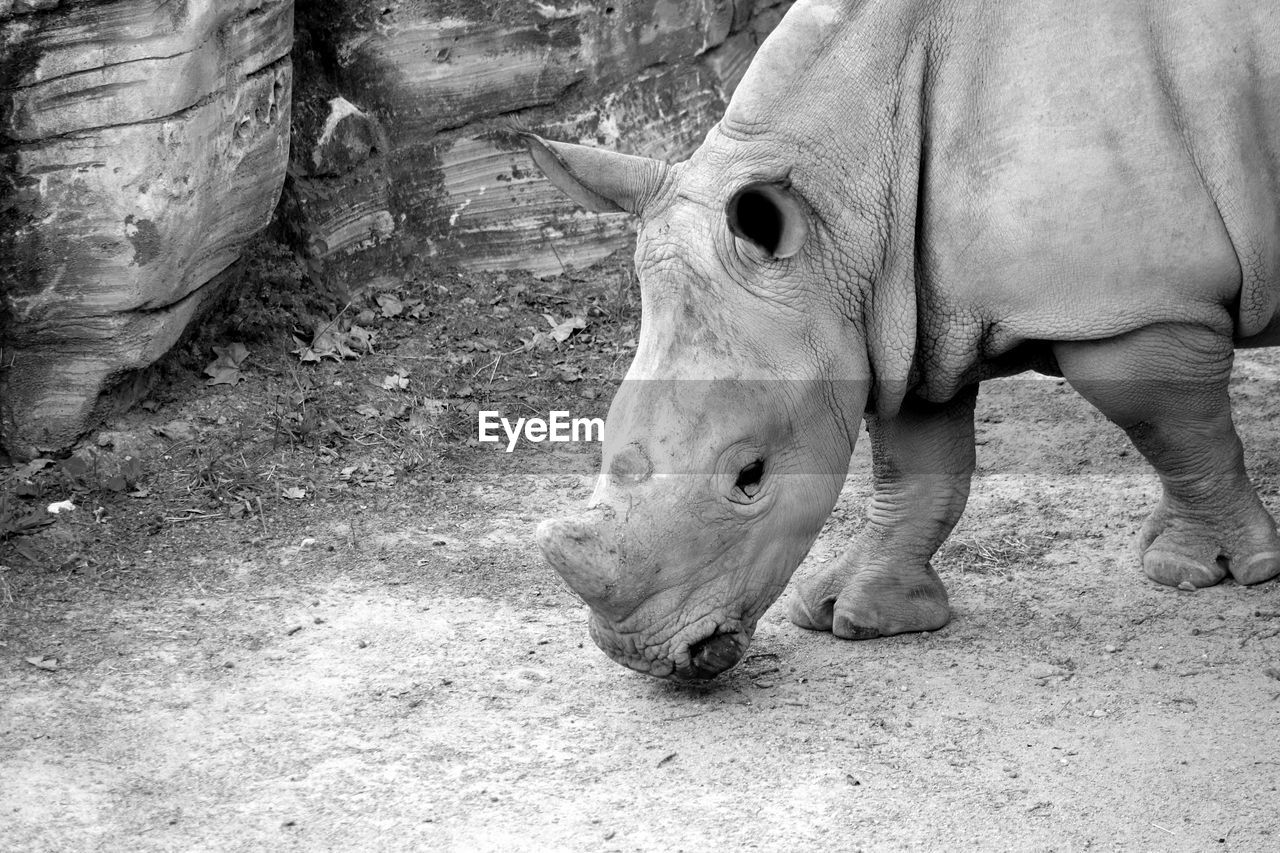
{"x": 1087, "y": 168}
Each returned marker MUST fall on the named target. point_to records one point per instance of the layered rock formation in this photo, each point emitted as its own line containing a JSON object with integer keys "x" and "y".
{"x": 440, "y": 85}
{"x": 142, "y": 142}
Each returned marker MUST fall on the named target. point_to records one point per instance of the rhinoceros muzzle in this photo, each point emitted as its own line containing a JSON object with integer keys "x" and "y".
{"x": 698, "y": 652}
{"x": 585, "y": 554}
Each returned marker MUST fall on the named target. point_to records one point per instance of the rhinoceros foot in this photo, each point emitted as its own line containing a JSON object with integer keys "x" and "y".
{"x": 857, "y": 601}
{"x": 1181, "y": 547}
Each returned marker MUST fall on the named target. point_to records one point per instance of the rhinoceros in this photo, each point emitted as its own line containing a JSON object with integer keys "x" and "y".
{"x": 902, "y": 199}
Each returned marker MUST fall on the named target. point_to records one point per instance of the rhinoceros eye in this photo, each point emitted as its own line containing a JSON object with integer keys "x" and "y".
{"x": 748, "y": 482}
{"x": 770, "y": 217}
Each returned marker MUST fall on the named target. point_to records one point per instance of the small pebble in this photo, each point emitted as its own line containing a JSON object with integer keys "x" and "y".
{"x": 1042, "y": 671}
{"x": 1111, "y": 649}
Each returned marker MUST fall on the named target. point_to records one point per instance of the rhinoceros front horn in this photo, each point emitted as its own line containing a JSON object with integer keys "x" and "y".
{"x": 576, "y": 549}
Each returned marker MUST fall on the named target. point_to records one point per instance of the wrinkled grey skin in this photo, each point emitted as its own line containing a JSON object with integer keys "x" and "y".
{"x": 959, "y": 191}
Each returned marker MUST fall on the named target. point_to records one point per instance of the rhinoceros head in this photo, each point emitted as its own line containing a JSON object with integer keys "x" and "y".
{"x": 728, "y": 442}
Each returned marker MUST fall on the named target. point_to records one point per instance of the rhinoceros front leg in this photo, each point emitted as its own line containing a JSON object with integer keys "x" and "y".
{"x": 1166, "y": 386}
{"x": 922, "y": 462}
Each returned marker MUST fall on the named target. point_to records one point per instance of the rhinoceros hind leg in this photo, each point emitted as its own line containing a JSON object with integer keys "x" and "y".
{"x": 922, "y": 462}
{"x": 1177, "y": 549}
{"x": 1166, "y": 386}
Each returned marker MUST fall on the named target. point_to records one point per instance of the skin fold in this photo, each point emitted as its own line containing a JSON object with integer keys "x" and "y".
{"x": 905, "y": 198}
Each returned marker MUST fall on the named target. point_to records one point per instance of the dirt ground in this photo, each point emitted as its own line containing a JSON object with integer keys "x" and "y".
{"x": 303, "y": 624}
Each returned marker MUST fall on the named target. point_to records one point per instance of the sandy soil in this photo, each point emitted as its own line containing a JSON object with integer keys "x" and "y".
{"x": 396, "y": 669}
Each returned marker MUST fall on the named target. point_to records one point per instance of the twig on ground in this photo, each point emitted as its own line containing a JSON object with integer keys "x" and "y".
{"x": 683, "y": 717}
{"x": 1261, "y": 635}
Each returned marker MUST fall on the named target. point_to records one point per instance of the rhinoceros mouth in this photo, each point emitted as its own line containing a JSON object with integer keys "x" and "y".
{"x": 700, "y": 652}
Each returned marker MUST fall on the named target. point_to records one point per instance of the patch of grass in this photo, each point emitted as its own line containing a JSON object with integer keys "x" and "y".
{"x": 995, "y": 555}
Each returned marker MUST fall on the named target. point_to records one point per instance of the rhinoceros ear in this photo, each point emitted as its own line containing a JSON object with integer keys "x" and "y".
{"x": 598, "y": 179}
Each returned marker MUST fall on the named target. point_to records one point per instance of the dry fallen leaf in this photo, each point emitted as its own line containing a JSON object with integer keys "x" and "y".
{"x": 222, "y": 375}
{"x": 539, "y": 341}
{"x": 561, "y": 330}
{"x": 225, "y": 369}
{"x": 360, "y": 338}
{"x": 176, "y": 431}
{"x": 235, "y": 353}
{"x": 330, "y": 341}
{"x": 23, "y": 472}
{"x": 304, "y": 353}
{"x": 294, "y": 493}
{"x": 398, "y": 381}
{"x": 14, "y": 524}
{"x": 391, "y": 305}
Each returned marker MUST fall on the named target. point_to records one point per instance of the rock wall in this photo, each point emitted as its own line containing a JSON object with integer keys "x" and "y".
{"x": 428, "y": 92}
{"x": 141, "y": 143}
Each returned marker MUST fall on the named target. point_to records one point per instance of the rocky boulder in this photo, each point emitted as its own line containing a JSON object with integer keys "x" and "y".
{"x": 434, "y": 89}
{"x": 141, "y": 144}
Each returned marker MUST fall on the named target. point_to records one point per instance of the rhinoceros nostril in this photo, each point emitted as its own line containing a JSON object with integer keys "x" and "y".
{"x": 713, "y": 655}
